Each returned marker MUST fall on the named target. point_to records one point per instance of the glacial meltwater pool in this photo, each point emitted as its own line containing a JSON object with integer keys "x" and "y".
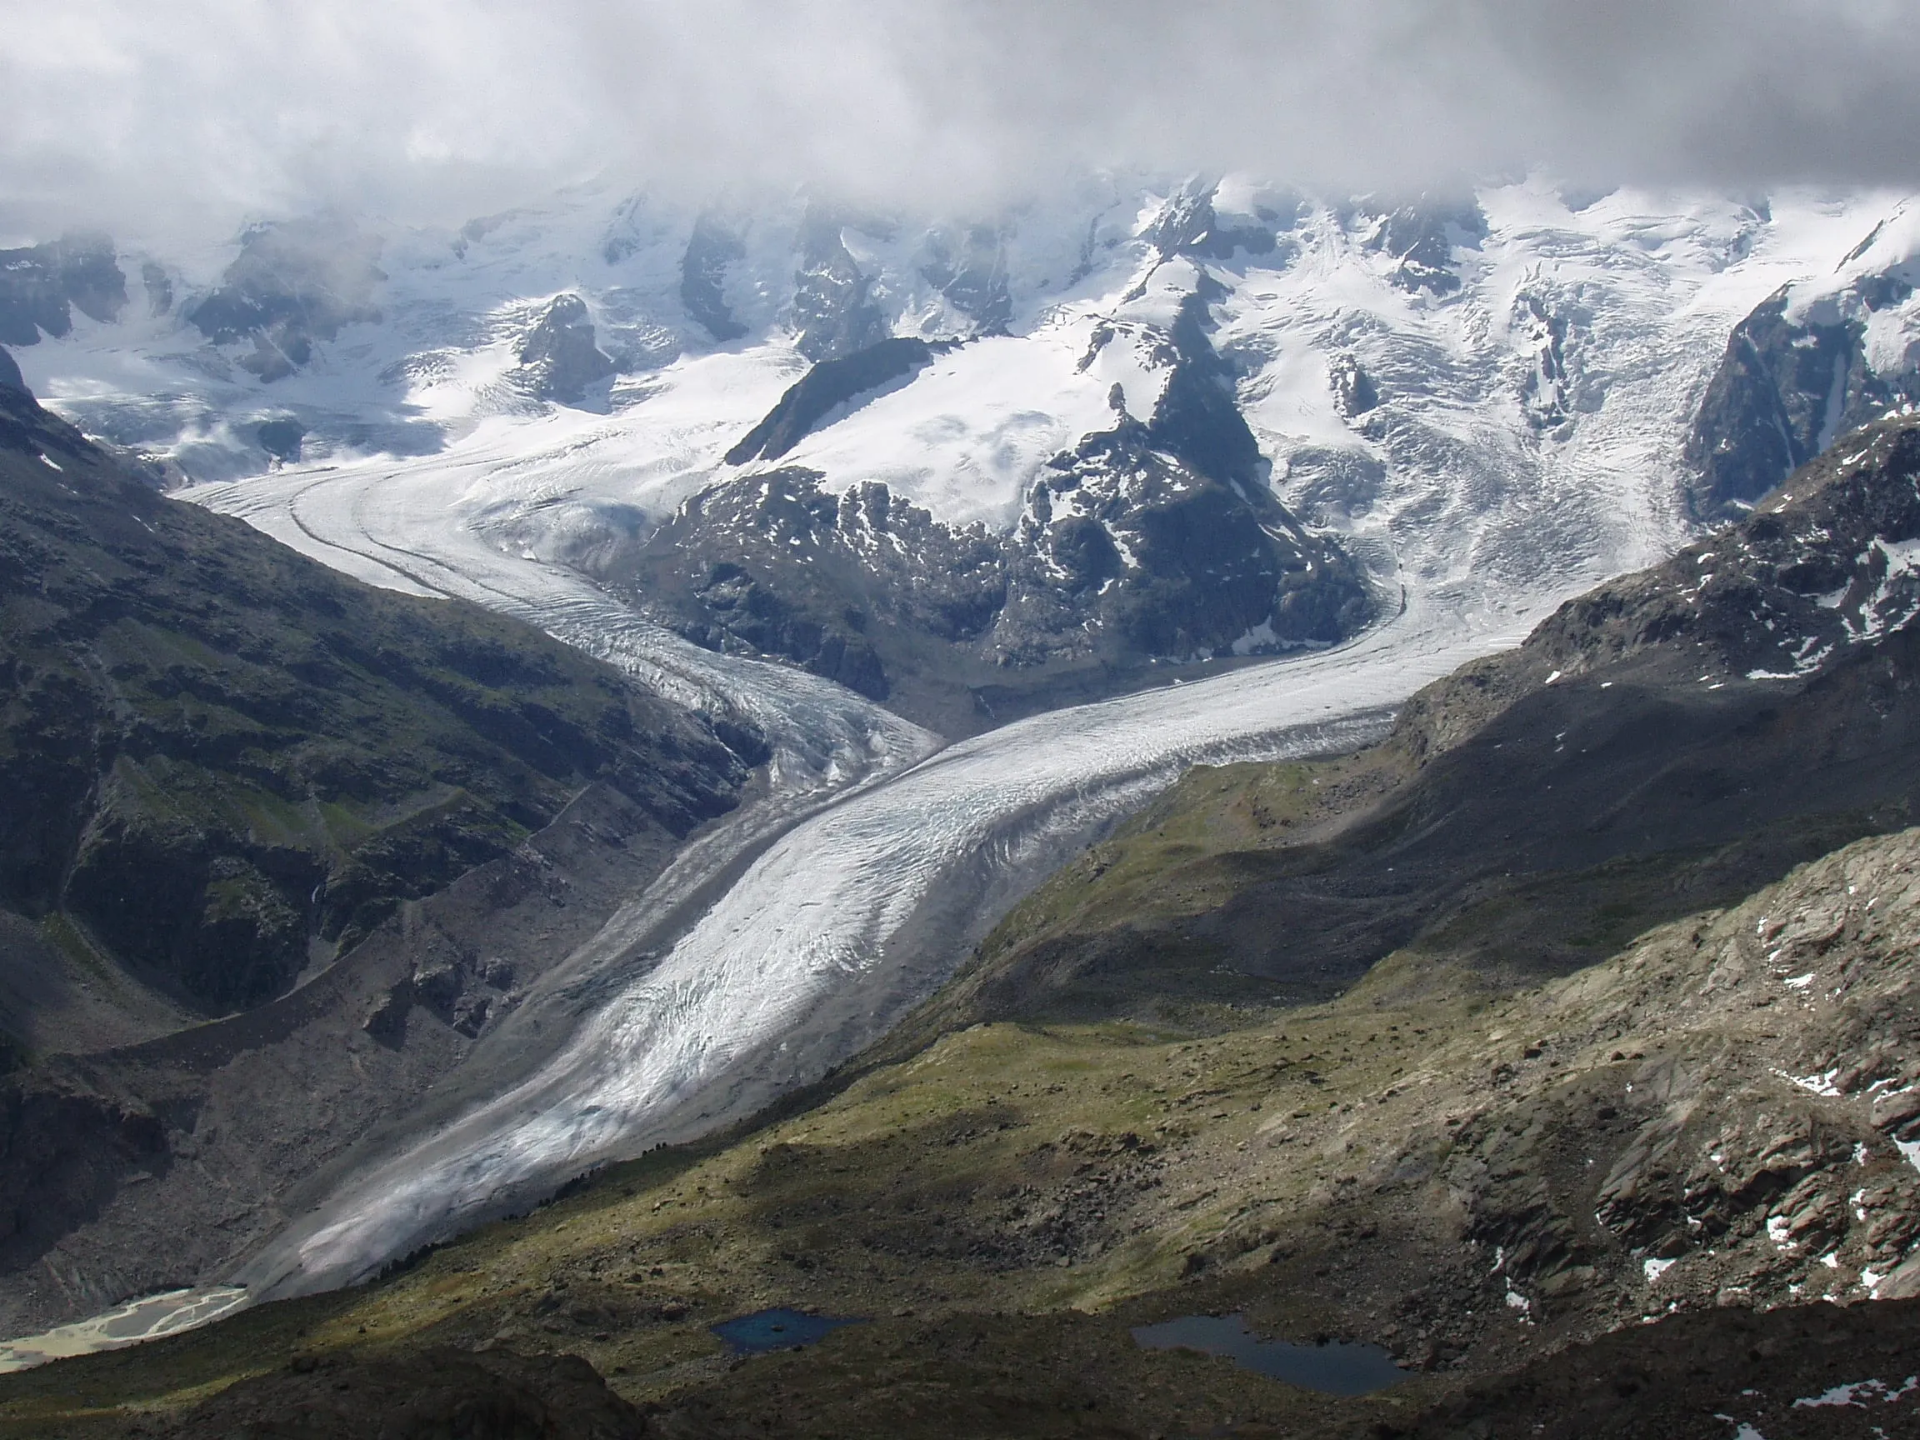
{"x": 782, "y": 1329}
{"x": 1332, "y": 1369}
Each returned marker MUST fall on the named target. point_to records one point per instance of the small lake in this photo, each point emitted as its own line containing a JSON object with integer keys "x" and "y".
{"x": 782, "y": 1329}
{"x": 1333, "y": 1369}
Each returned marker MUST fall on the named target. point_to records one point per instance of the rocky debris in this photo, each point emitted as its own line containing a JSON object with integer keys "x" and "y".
{"x": 10, "y": 376}
{"x": 1789, "y": 384}
{"x": 292, "y": 285}
{"x": 703, "y": 272}
{"x": 559, "y": 359}
{"x": 830, "y": 388}
{"x": 41, "y": 286}
{"x": 1704, "y": 1120}
{"x": 834, "y": 313}
{"x": 1804, "y": 1372}
{"x": 493, "y": 1394}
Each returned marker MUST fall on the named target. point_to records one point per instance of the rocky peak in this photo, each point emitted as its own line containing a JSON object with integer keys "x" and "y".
{"x": 834, "y": 313}
{"x": 41, "y": 285}
{"x": 969, "y": 267}
{"x": 1423, "y": 237}
{"x": 1128, "y": 547}
{"x": 1197, "y": 417}
{"x": 559, "y": 359}
{"x": 1189, "y": 224}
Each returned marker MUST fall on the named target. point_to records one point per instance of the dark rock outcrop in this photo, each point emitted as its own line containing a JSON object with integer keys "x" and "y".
{"x": 703, "y": 272}
{"x": 1422, "y": 238}
{"x": 772, "y": 564}
{"x": 1189, "y": 225}
{"x": 281, "y": 438}
{"x": 41, "y": 286}
{"x": 970, "y": 268}
{"x": 559, "y": 359}
{"x": 834, "y": 313}
{"x": 1197, "y": 420}
{"x": 1784, "y": 389}
{"x": 1354, "y": 390}
{"x": 828, "y": 386}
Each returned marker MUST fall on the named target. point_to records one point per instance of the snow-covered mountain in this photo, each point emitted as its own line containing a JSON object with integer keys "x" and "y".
{"x": 972, "y": 466}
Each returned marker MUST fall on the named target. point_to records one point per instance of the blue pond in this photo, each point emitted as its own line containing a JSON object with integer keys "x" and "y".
{"x": 1335, "y": 1369}
{"x": 766, "y": 1330}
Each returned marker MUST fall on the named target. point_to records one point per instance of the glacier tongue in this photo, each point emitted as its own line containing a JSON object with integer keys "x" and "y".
{"x": 848, "y": 918}
{"x": 840, "y": 927}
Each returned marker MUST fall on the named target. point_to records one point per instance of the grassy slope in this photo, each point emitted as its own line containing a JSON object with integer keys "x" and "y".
{"x": 216, "y": 754}
{"x": 1006, "y": 1203}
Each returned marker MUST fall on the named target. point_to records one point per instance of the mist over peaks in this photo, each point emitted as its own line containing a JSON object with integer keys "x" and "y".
{"x": 193, "y": 117}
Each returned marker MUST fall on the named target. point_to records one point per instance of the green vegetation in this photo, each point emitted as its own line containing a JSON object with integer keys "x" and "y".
{"x": 1406, "y": 1164}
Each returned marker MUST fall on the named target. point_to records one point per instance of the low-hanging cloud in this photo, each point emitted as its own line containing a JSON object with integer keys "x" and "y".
{"x": 196, "y": 113}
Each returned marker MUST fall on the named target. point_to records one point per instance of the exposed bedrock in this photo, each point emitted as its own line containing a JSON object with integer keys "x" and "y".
{"x": 559, "y": 359}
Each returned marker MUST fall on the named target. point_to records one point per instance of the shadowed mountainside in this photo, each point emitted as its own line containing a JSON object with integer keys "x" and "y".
{"x": 234, "y": 783}
{"x": 223, "y": 760}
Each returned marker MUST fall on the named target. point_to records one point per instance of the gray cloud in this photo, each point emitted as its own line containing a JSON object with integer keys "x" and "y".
{"x": 188, "y": 116}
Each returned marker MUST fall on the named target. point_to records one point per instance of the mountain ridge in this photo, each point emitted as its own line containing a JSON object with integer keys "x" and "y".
{"x": 357, "y": 825}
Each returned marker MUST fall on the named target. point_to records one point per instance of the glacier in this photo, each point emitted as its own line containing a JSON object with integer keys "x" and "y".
{"x": 1532, "y": 384}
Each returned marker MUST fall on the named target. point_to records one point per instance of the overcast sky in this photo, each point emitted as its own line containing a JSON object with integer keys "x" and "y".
{"x": 160, "y": 115}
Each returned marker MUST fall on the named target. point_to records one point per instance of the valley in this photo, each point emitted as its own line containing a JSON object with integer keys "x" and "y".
{"x": 1167, "y": 884}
